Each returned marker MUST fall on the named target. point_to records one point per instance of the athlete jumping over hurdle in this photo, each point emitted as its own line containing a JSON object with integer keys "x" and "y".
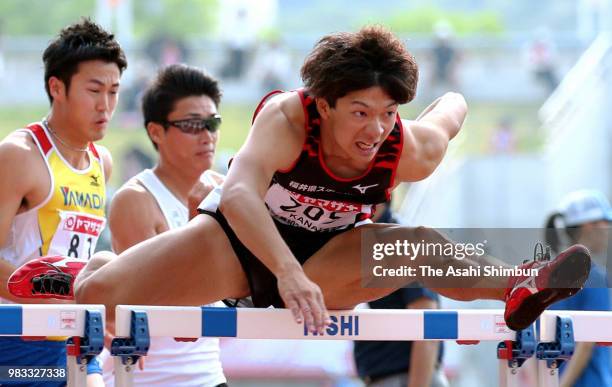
{"x": 286, "y": 226}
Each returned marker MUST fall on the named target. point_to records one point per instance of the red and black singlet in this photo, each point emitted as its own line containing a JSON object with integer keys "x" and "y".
{"x": 309, "y": 196}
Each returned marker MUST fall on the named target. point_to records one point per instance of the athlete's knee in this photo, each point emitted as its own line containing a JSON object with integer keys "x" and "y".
{"x": 424, "y": 234}
{"x": 433, "y": 246}
{"x": 89, "y": 288}
{"x": 100, "y": 259}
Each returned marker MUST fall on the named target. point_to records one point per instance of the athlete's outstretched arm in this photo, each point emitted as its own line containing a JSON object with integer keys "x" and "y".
{"x": 274, "y": 143}
{"x": 426, "y": 138}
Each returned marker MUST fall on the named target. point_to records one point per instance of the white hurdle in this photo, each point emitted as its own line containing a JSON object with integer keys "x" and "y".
{"x": 554, "y": 343}
{"x": 360, "y": 324}
{"x": 135, "y": 325}
{"x": 82, "y": 325}
{"x": 463, "y": 326}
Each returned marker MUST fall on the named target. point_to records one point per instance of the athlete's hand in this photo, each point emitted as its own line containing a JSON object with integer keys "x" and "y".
{"x": 304, "y": 298}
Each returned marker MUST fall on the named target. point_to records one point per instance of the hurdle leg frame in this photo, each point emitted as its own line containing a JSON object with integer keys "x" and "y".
{"x": 548, "y": 374}
{"x": 81, "y": 350}
{"x": 126, "y": 351}
{"x": 552, "y": 354}
{"x": 76, "y": 371}
{"x": 512, "y": 355}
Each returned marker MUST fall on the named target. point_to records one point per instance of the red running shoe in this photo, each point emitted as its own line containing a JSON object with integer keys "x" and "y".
{"x": 46, "y": 277}
{"x": 528, "y": 296}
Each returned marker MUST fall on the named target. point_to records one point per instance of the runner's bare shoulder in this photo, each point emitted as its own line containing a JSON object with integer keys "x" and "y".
{"x": 19, "y": 152}
{"x": 23, "y": 169}
{"x": 277, "y": 135}
{"x": 289, "y": 105}
{"x": 134, "y": 194}
{"x": 133, "y": 201}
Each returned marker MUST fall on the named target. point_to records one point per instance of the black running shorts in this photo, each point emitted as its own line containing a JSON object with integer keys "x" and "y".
{"x": 262, "y": 282}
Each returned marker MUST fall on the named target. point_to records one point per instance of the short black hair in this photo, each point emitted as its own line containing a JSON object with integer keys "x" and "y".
{"x": 173, "y": 83}
{"x": 344, "y": 62}
{"x": 80, "y": 42}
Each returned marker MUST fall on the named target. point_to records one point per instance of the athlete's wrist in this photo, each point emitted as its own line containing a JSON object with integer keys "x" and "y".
{"x": 289, "y": 268}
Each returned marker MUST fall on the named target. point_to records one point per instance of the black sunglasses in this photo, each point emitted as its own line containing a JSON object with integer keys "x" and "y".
{"x": 196, "y": 125}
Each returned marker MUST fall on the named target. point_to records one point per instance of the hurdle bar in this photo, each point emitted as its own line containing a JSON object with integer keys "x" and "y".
{"x": 558, "y": 332}
{"x": 82, "y": 325}
{"x": 191, "y": 323}
{"x": 464, "y": 326}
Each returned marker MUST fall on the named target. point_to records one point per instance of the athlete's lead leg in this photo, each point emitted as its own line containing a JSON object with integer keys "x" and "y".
{"x": 336, "y": 268}
{"x": 193, "y": 265}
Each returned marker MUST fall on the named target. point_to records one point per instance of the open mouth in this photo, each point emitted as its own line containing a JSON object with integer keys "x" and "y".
{"x": 366, "y": 147}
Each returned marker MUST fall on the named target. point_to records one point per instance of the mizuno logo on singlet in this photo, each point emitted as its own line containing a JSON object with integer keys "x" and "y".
{"x": 363, "y": 189}
{"x": 76, "y": 198}
{"x": 94, "y": 180}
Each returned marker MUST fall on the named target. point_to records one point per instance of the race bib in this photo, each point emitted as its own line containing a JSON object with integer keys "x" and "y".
{"x": 76, "y": 235}
{"x": 312, "y": 213}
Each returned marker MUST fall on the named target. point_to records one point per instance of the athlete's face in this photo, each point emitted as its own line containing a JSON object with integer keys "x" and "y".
{"x": 360, "y": 122}
{"x": 188, "y": 150}
{"x": 90, "y": 100}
